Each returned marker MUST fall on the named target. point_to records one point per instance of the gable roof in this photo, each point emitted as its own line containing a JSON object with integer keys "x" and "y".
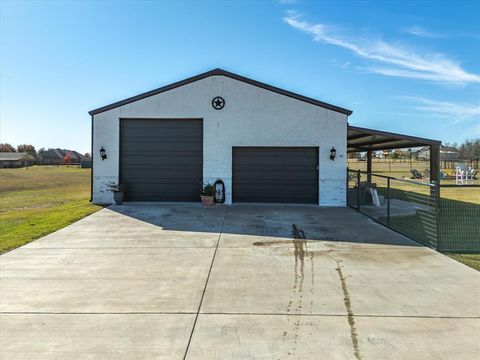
{"x": 58, "y": 153}
{"x": 220, "y": 72}
{"x": 14, "y": 156}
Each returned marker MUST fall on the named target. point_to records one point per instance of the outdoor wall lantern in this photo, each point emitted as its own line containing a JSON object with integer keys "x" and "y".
{"x": 333, "y": 153}
{"x": 103, "y": 154}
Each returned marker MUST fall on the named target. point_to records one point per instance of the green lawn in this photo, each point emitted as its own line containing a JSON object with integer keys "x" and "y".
{"x": 472, "y": 260}
{"x": 40, "y": 200}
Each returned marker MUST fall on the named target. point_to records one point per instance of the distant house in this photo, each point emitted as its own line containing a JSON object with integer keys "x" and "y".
{"x": 51, "y": 157}
{"x": 447, "y": 153}
{"x": 361, "y": 156}
{"x": 384, "y": 154}
{"x": 56, "y": 157}
{"x": 15, "y": 159}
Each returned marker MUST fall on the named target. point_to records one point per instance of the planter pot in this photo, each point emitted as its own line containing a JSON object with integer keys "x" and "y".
{"x": 207, "y": 200}
{"x": 118, "y": 197}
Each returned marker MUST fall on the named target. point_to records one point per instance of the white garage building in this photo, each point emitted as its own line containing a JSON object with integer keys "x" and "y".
{"x": 266, "y": 144}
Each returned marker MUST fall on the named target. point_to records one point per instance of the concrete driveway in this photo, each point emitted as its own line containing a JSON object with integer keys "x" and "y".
{"x": 150, "y": 281}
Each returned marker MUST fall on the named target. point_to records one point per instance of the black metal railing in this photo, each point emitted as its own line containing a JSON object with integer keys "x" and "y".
{"x": 406, "y": 206}
{"x": 445, "y": 217}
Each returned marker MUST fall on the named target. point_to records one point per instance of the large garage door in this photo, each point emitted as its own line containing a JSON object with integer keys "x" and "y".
{"x": 161, "y": 160}
{"x": 275, "y": 174}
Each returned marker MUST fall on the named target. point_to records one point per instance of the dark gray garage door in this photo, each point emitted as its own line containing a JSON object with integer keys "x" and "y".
{"x": 161, "y": 159}
{"x": 275, "y": 174}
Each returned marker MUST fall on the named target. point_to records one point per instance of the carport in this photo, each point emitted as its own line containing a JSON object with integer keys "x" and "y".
{"x": 368, "y": 140}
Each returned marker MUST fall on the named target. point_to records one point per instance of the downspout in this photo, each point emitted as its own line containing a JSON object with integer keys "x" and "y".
{"x": 91, "y": 170}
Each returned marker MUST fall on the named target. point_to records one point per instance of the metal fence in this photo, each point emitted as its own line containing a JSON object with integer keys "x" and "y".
{"x": 443, "y": 217}
{"x": 459, "y": 219}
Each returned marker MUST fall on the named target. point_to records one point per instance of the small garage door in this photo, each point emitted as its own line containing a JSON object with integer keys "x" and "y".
{"x": 275, "y": 174}
{"x": 161, "y": 159}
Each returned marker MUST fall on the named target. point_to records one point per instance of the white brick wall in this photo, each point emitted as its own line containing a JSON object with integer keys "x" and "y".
{"x": 252, "y": 116}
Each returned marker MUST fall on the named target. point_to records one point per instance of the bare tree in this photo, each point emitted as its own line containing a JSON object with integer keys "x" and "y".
{"x": 470, "y": 149}
{"x": 6, "y": 148}
{"x": 30, "y": 149}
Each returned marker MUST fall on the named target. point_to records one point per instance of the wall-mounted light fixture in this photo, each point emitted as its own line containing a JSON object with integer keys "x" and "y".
{"x": 333, "y": 153}
{"x": 103, "y": 154}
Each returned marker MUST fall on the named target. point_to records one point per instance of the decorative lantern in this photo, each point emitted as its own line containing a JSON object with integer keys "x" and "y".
{"x": 103, "y": 154}
{"x": 333, "y": 153}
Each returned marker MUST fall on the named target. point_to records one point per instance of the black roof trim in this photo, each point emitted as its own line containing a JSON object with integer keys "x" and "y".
{"x": 220, "y": 72}
{"x": 382, "y": 140}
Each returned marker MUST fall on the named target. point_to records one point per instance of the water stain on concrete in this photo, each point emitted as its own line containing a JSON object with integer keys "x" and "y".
{"x": 230, "y": 333}
{"x": 300, "y": 251}
{"x": 348, "y": 306}
{"x": 273, "y": 242}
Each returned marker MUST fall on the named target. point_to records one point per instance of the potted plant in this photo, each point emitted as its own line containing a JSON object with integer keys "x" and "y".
{"x": 118, "y": 191}
{"x": 208, "y": 191}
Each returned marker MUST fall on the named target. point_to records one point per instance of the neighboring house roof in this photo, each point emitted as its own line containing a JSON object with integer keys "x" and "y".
{"x": 51, "y": 154}
{"x": 220, "y": 72}
{"x": 14, "y": 156}
{"x": 74, "y": 155}
{"x": 77, "y": 154}
{"x": 60, "y": 154}
{"x": 443, "y": 148}
{"x": 448, "y": 149}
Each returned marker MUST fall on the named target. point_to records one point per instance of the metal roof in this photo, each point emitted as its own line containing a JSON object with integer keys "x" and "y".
{"x": 220, "y": 72}
{"x": 13, "y": 156}
{"x": 363, "y": 139}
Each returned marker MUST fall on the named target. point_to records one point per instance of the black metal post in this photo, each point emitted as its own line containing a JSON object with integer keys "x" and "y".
{"x": 435, "y": 166}
{"x": 438, "y": 245}
{"x": 358, "y": 190}
{"x": 388, "y": 202}
{"x": 369, "y": 167}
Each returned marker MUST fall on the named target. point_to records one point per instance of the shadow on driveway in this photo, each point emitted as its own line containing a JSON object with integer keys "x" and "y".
{"x": 269, "y": 222}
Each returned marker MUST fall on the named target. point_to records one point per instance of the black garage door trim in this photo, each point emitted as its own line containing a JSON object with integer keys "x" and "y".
{"x": 275, "y": 174}
{"x": 168, "y": 166}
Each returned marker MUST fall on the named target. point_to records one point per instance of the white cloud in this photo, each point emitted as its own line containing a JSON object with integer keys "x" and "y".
{"x": 396, "y": 59}
{"x": 455, "y": 112}
{"x": 419, "y": 31}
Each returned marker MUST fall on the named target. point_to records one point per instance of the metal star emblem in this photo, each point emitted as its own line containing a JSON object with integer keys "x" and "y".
{"x": 218, "y": 103}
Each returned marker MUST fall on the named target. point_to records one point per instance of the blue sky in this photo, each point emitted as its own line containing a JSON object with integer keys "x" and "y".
{"x": 410, "y": 67}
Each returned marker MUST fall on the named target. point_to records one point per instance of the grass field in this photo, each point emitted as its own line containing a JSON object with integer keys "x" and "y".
{"x": 40, "y": 200}
{"x": 472, "y": 260}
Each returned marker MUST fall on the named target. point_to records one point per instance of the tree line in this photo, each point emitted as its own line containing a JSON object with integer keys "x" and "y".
{"x": 29, "y": 149}
{"x": 470, "y": 149}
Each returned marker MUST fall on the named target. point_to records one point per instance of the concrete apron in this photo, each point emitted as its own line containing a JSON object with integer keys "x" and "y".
{"x": 178, "y": 281}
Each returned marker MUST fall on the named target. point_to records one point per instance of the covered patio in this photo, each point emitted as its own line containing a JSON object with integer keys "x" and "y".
{"x": 369, "y": 140}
